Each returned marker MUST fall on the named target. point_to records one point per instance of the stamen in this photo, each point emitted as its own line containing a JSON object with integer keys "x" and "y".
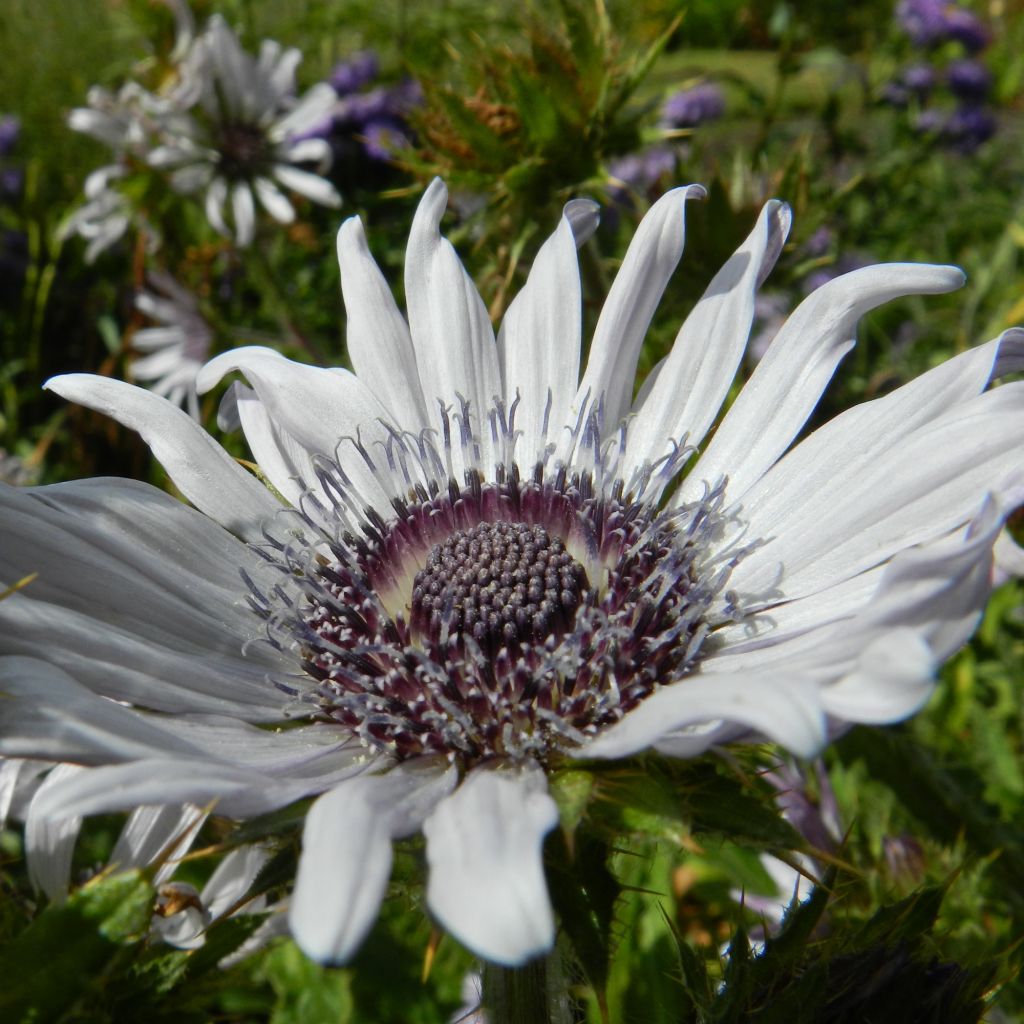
{"x": 495, "y": 616}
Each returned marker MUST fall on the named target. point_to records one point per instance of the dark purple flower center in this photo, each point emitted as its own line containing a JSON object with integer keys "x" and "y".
{"x": 242, "y": 149}
{"x": 503, "y": 584}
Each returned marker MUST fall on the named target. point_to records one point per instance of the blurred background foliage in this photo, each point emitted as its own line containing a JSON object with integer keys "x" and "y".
{"x": 886, "y": 152}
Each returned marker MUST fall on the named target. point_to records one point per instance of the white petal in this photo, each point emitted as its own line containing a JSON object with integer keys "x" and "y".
{"x": 156, "y": 831}
{"x": 50, "y": 841}
{"x": 126, "y": 667}
{"x": 282, "y": 460}
{"x": 928, "y": 484}
{"x": 819, "y": 468}
{"x": 236, "y": 792}
{"x": 789, "y": 379}
{"x": 233, "y": 878}
{"x": 893, "y": 678}
{"x": 216, "y": 197}
{"x": 231, "y": 63}
{"x": 244, "y": 210}
{"x": 346, "y": 856}
{"x": 323, "y": 410}
{"x": 200, "y": 468}
{"x": 274, "y": 202}
{"x": 310, "y": 151}
{"x": 451, "y": 332}
{"x": 937, "y": 590}
{"x": 540, "y": 337}
{"x": 144, "y": 591}
{"x": 45, "y": 713}
{"x": 377, "y": 336}
{"x": 19, "y": 779}
{"x": 650, "y": 260}
{"x": 320, "y": 190}
{"x": 700, "y": 368}
{"x": 783, "y": 706}
{"x": 486, "y": 883}
{"x": 314, "y": 106}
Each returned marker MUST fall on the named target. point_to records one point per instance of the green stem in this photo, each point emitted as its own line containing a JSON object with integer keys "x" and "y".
{"x": 271, "y": 282}
{"x": 520, "y": 995}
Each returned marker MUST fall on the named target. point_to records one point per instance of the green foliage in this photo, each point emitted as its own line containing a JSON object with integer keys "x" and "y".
{"x": 657, "y": 871}
{"x": 72, "y": 948}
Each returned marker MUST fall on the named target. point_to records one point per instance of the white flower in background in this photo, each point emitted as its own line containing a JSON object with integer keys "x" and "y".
{"x": 124, "y": 121}
{"x": 476, "y": 563}
{"x": 236, "y": 133}
{"x": 173, "y": 352}
{"x": 104, "y": 217}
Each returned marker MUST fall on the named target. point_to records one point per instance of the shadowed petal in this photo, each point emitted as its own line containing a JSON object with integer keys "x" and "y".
{"x": 200, "y": 468}
{"x": 486, "y": 882}
{"x": 346, "y": 855}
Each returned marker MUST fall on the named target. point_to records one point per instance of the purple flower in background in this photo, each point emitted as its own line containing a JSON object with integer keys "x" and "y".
{"x": 969, "y": 79}
{"x": 10, "y": 132}
{"x": 12, "y": 179}
{"x": 819, "y": 243}
{"x": 963, "y": 130}
{"x": 353, "y": 74}
{"x": 918, "y": 79}
{"x": 967, "y": 29}
{"x": 968, "y": 127}
{"x": 691, "y": 107}
{"x": 366, "y": 127}
{"x": 640, "y": 172}
{"x": 930, "y": 121}
{"x": 931, "y": 22}
{"x": 817, "y": 820}
{"x": 923, "y": 20}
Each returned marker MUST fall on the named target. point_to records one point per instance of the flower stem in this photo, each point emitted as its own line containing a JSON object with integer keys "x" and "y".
{"x": 279, "y": 299}
{"x": 519, "y": 995}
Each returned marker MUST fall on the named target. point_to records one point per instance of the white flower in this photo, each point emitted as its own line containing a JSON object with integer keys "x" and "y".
{"x": 125, "y": 121}
{"x": 237, "y": 131}
{"x": 776, "y": 590}
{"x": 176, "y": 350}
{"x": 104, "y": 218}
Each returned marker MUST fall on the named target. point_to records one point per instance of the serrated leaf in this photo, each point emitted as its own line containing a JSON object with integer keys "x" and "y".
{"x": 68, "y": 948}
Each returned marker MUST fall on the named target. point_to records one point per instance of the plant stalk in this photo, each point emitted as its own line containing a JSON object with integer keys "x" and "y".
{"x": 520, "y": 995}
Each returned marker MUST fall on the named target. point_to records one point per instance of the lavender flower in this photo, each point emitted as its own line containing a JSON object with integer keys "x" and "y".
{"x": 963, "y": 130}
{"x": 932, "y": 22}
{"x": 967, "y": 29}
{"x": 691, "y": 107}
{"x": 366, "y": 129}
{"x": 923, "y": 20}
{"x": 351, "y": 75}
{"x": 639, "y": 173}
{"x": 918, "y": 79}
{"x": 969, "y": 79}
{"x": 10, "y": 132}
{"x": 12, "y": 179}
{"x": 968, "y": 127}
